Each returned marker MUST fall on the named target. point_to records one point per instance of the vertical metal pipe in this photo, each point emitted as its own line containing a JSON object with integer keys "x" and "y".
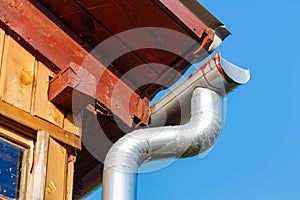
{"x": 125, "y": 157}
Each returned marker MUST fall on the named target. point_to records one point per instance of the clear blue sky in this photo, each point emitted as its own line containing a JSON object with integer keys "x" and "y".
{"x": 257, "y": 155}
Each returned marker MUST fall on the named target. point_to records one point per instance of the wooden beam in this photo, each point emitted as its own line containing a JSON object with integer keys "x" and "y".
{"x": 15, "y": 116}
{"x": 26, "y": 24}
{"x": 47, "y": 41}
{"x": 109, "y": 91}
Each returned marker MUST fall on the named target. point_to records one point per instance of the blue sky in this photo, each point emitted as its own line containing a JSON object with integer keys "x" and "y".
{"x": 257, "y": 155}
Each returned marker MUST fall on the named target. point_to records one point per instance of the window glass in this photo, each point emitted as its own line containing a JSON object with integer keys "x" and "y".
{"x": 10, "y": 168}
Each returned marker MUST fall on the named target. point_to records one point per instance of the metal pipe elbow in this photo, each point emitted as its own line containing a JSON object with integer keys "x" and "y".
{"x": 196, "y": 136}
{"x": 206, "y": 122}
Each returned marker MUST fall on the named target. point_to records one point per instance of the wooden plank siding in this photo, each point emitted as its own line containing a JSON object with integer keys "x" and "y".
{"x": 16, "y": 118}
{"x": 50, "y": 172}
{"x": 2, "y": 35}
{"x": 24, "y": 84}
{"x": 17, "y": 75}
{"x": 56, "y": 179}
{"x": 42, "y": 107}
{"x": 70, "y": 125}
{"x": 70, "y": 181}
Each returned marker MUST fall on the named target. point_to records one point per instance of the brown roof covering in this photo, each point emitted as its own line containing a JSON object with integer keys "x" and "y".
{"x": 95, "y": 21}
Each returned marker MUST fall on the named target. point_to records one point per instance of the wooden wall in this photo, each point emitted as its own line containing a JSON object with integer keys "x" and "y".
{"x": 24, "y": 83}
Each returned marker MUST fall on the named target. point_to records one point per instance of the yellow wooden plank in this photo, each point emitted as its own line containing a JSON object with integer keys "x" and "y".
{"x": 11, "y": 135}
{"x": 2, "y": 42}
{"x": 3, "y": 198}
{"x": 41, "y": 106}
{"x": 17, "y": 75}
{"x": 56, "y": 178}
{"x": 70, "y": 180}
{"x": 15, "y": 114}
{"x": 70, "y": 125}
{"x": 2, "y": 34}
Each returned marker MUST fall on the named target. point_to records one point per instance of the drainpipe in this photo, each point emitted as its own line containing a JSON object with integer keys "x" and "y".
{"x": 200, "y": 133}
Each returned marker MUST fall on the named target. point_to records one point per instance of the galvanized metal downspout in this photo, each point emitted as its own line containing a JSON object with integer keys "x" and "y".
{"x": 126, "y": 156}
{"x": 200, "y": 133}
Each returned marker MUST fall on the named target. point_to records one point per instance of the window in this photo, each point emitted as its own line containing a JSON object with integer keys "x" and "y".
{"x": 11, "y": 157}
{"x": 16, "y": 152}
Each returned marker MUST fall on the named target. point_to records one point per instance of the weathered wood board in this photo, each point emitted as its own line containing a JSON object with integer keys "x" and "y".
{"x": 2, "y": 34}
{"x": 24, "y": 83}
{"x": 21, "y": 117}
{"x": 56, "y": 179}
{"x": 41, "y": 106}
{"x": 70, "y": 179}
{"x": 70, "y": 125}
{"x": 17, "y": 75}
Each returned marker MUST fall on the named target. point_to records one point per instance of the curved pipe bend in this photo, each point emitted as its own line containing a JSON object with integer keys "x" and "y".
{"x": 126, "y": 155}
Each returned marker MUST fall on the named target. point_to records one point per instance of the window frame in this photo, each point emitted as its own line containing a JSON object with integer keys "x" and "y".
{"x": 19, "y": 139}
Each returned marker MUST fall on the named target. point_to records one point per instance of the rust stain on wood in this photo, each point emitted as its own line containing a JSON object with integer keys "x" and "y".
{"x": 26, "y": 76}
